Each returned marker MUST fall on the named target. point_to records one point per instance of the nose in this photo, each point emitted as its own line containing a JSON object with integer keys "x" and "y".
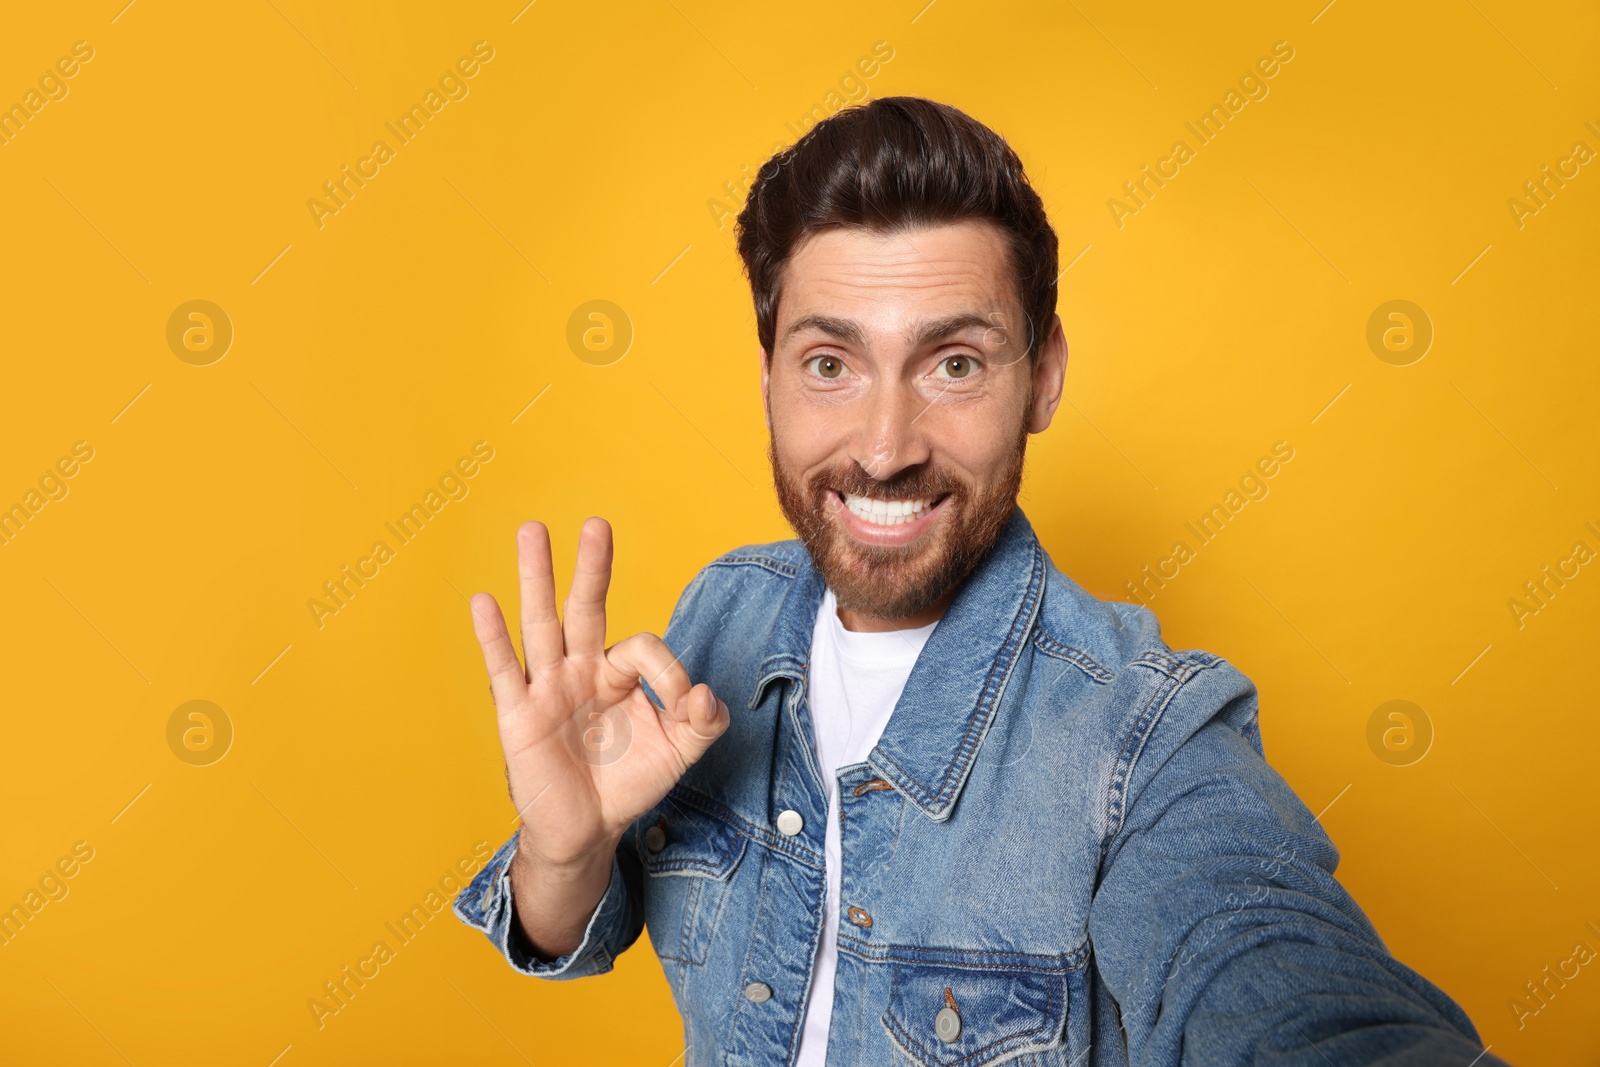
{"x": 891, "y": 434}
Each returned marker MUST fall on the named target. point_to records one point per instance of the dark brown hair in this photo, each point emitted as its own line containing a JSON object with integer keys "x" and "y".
{"x": 887, "y": 166}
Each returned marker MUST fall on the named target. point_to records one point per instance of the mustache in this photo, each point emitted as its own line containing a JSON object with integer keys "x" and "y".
{"x": 912, "y": 484}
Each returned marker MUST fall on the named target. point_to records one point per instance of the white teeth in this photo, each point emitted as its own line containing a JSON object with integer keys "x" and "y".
{"x": 887, "y": 512}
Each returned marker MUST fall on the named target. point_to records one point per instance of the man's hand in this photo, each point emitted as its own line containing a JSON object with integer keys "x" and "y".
{"x": 586, "y": 750}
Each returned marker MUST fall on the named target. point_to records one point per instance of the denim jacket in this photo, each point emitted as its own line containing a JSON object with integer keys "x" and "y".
{"x": 1066, "y": 849}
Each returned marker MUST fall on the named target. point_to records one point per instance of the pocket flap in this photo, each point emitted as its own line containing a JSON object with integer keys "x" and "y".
{"x": 676, "y": 838}
{"x": 946, "y": 1015}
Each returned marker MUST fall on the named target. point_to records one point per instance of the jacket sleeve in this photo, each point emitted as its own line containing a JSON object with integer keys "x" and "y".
{"x": 487, "y": 904}
{"x": 1218, "y": 926}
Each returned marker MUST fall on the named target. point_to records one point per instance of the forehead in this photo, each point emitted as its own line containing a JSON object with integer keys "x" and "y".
{"x": 886, "y": 281}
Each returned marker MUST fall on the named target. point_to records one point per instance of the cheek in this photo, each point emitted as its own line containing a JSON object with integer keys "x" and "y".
{"x": 803, "y": 442}
{"x": 972, "y": 439}
{"x": 807, "y": 425}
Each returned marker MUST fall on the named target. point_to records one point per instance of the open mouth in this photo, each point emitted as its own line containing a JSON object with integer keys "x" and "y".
{"x": 875, "y": 512}
{"x": 888, "y": 520}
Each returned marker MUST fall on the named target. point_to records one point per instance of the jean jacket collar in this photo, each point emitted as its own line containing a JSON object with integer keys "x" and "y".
{"x": 955, "y": 688}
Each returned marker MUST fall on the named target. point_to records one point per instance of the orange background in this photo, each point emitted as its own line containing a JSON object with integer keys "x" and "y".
{"x": 596, "y": 156}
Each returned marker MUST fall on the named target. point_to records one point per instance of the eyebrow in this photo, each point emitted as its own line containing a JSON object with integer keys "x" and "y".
{"x": 926, "y": 333}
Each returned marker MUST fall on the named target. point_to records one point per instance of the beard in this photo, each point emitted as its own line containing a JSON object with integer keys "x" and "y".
{"x": 896, "y": 581}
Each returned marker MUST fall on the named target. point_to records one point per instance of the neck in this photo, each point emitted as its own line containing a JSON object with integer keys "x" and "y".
{"x": 860, "y": 622}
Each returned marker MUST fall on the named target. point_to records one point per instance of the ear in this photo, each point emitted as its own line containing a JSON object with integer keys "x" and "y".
{"x": 1049, "y": 378}
{"x": 766, "y": 394}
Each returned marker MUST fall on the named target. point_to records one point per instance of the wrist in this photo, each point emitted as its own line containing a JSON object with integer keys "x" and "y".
{"x": 567, "y": 867}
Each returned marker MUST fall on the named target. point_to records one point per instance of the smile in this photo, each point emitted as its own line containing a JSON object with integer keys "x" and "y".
{"x": 889, "y": 522}
{"x": 887, "y": 512}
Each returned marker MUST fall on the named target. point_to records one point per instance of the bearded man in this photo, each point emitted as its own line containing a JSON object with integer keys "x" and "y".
{"x": 899, "y": 791}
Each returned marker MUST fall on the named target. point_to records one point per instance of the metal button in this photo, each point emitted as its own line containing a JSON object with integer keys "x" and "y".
{"x": 859, "y": 917}
{"x": 947, "y": 1024}
{"x": 790, "y": 822}
{"x": 655, "y": 839}
{"x": 756, "y": 992}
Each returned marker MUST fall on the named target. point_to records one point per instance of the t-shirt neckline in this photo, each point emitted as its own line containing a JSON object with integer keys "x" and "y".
{"x": 876, "y": 646}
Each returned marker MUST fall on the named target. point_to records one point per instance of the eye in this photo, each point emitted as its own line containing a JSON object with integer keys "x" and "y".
{"x": 955, "y": 367}
{"x": 826, "y": 366}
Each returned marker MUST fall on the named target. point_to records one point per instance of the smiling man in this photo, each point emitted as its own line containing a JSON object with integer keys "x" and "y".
{"x": 900, "y": 791}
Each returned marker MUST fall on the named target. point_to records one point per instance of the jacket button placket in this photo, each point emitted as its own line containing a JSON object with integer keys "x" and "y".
{"x": 768, "y": 1002}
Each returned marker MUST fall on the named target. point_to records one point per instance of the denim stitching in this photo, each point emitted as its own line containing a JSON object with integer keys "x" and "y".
{"x": 1003, "y": 663}
{"x": 778, "y": 665}
{"x": 811, "y": 973}
{"x": 1075, "y": 656}
{"x": 603, "y": 960}
{"x": 1138, "y": 734}
{"x": 1132, "y": 745}
{"x": 776, "y": 566}
{"x": 714, "y": 919}
{"x": 908, "y": 1043}
{"x": 686, "y": 923}
{"x": 1008, "y": 657}
{"x": 716, "y": 868}
{"x": 710, "y": 807}
{"x": 762, "y": 875}
{"x": 883, "y": 952}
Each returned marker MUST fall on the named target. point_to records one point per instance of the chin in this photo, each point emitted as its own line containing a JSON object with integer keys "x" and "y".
{"x": 888, "y": 581}
{"x": 894, "y": 549}
{"x": 885, "y": 594}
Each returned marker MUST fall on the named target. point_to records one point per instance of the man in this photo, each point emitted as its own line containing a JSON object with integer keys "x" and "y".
{"x": 911, "y": 795}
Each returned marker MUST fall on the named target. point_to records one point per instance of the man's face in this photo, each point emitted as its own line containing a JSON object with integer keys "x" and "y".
{"x": 899, "y": 399}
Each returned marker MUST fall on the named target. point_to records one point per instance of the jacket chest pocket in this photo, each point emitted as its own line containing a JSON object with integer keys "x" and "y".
{"x": 688, "y": 859}
{"x": 948, "y": 1012}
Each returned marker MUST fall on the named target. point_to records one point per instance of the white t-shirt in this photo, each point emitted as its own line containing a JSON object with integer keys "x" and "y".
{"x": 856, "y": 680}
